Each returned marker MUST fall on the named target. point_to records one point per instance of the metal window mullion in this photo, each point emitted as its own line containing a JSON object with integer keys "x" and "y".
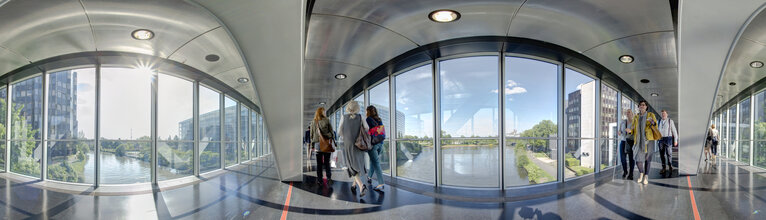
{"x": 154, "y": 87}
{"x": 8, "y": 111}
{"x": 561, "y": 124}
{"x": 97, "y": 131}
{"x": 196, "y": 132}
{"x": 44, "y": 132}
{"x": 501, "y": 118}
{"x": 752, "y": 127}
{"x": 436, "y": 100}
{"x": 239, "y": 132}
{"x": 221, "y": 124}
{"x": 597, "y": 128}
{"x": 392, "y": 121}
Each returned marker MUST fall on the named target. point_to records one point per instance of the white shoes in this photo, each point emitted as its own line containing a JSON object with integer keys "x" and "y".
{"x": 640, "y": 177}
{"x": 646, "y": 179}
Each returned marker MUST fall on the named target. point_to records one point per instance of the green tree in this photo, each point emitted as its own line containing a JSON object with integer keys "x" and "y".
{"x": 544, "y": 129}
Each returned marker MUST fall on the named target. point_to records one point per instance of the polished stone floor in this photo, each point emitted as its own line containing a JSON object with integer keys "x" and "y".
{"x": 725, "y": 190}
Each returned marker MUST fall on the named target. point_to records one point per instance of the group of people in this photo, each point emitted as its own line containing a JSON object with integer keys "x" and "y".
{"x": 322, "y": 137}
{"x": 711, "y": 144}
{"x": 637, "y": 134}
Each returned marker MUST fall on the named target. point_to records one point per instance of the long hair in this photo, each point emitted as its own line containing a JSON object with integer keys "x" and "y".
{"x": 319, "y": 114}
{"x": 373, "y": 112}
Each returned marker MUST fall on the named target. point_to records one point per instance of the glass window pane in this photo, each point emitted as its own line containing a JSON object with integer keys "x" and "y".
{"x": 230, "y": 153}
{"x": 260, "y": 134}
{"x": 744, "y": 120}
{"x": 27, "y": 109}
{"x": 530, "y": 161}
{"x": 209, "y": 114}
{"x": 528, "y": 102}
{"x": 579, "y": 161}
{"x": 174, "y": 159}
{"x": 175, "y": 108}
{"x": 379, "y": 97}
{"x": 125, "y": 162}
{"x": 253, "y": 133}
{"x": 210, "y": 157}
{"x": 360, "y": 99}
{"x": 580, "y": 94}
{"x": 469, "y": 97}
{"x": 471, "y": 162}
{"x": 744, "y": 151}
{"x": 230, "y": 120}
{"x": 609, "y": 98}
{"x": 609, "y": 153}
{"x": 415, "y": 160}
{"x": 759, "y": 131}
{"x": 759, "y": 154}
{"x": 3, "y": 124}
{"x": 415, "y": 100}
{"x": 626, "y": 105}
{"x": 732, "y": 150}
{"x": 71, "y": 161}
{"x": 71, "y": 104}
{"x": 26, "y": 157}
{"x": 126, "y": 103}
{"x": 243, "y": 132}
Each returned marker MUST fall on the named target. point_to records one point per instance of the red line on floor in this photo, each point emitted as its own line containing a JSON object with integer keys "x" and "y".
{"x": 691, "y": 194}
{"x": 287, "y": 202}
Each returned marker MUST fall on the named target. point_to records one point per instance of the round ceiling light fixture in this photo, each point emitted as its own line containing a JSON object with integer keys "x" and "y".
{"x": 626, "y": 59}
{"x": 322, "y": 103}
{"x": 212, "y": 57}
{"x": 340, "y": 76}
{"x": 655, "y": 94}
{"x": 142, "y": 34}
{"x": 732, "y": 84}
{"x": 444, "y": 15}
{"x": 644, "y": 81}
{"x": 243, "y": 80}
{"x": 756, "y": 64}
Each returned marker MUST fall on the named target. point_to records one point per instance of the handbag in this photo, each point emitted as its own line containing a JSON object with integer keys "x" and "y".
{"x": 377, "y": 134}
{"x": 363, "y": 139}
{"x": 655, "y": 133}
{"x": 325, "y": 144}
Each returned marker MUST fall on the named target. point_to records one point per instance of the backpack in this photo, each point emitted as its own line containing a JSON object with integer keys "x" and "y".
{"x": 377, "y": 133}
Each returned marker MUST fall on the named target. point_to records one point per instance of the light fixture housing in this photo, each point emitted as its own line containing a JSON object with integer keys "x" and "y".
{"x": 644, "y": 81}
{"x": 142, "y": 34}
{"x": 444, "y": 16}
{"x": 212, "y": 58}
{"x": 626, "y": 59}
{"x": 243, "y": 80}
{"x": 340, "y": 76}
{"x": 756, "y": 64}
{"x": 732, "y": 83}
{"x": 655, "y": 94}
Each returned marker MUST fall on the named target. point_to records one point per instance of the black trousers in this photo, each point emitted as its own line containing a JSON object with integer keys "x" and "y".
{"x": 626, "y": 155}
{"x": 666, "y": 145}
{"x": 323, "y": 163}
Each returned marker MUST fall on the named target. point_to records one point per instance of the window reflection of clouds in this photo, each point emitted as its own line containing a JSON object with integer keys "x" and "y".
{"x": 468, "y": 105}
{"x": 530, "y": 93}
{"x": 414, "y": 96}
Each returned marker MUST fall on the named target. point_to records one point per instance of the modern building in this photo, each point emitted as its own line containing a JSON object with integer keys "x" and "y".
{"x": 495, "y": 109}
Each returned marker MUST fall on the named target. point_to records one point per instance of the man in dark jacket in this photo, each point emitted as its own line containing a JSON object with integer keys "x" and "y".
{"x": 307, "y": 142}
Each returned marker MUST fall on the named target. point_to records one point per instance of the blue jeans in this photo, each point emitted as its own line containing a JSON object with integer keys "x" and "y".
{"x": 375, "y": 162}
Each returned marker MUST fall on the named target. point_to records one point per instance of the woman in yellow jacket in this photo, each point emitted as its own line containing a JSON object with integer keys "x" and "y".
{"x": 643, "y": 148}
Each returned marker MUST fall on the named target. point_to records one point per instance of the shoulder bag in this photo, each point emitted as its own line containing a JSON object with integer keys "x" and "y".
{"x": 325, "y": 144}
{"x": 656, "y": 135}
{"x": 363, "y": 139}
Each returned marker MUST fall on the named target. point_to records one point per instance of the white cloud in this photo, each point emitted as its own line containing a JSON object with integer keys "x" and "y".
{"x": 511, "y": 91}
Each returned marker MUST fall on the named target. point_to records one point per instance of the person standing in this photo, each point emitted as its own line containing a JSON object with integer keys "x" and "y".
{"x": 307, "y": 142}
{"x": 710, "y": 144}
{"x": 321, "y": 131}
{"x": 668, "y": 140}
{"x": 626, "y": 139}
{"x": 350, "y": 125}
{"x": 376, "y": 129}
{"x": 643, "y": 148}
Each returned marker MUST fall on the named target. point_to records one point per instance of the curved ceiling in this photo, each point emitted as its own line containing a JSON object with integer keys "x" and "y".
{"x": 751, "y": 46}
{"x": 37, "y": 29}
{"x": 356, "y": 37}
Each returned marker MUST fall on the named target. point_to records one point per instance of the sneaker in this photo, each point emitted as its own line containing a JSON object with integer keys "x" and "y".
{"x": 646, "y": 180}
{"x": 378, "y": 188}
{"x": 640, "y": 177}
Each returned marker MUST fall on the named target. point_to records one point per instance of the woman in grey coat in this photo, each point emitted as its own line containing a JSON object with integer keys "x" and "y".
{"x": 355, "y": 160}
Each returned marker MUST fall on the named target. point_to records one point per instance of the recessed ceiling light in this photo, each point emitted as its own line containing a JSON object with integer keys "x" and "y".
{"x": 655, "y": 94}
{"x": 142, "y": 34}
{"x": 756, "y": 64}
{"x": 644, "y": 81}
{"x": 444, "y": 15}
{"x": 732, "y": 83}
{"x": 212, "y": 58}
{"x": 321, "y": 103}
{"x": 626, "y": 59}
{"x": 340, "y": 76}
{"x": 243, "y": 80}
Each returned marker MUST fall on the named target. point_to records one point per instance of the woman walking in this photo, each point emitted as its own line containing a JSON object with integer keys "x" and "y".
{"x": 376, "y": 129}
{"x": 350, "y": 125}
{"x": 321, "y": 131}
{"x": 712, "y": 139}
{"x": 643, "y": 148}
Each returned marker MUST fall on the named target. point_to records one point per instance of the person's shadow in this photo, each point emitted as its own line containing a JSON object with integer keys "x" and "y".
{"x": 529, "y": 213}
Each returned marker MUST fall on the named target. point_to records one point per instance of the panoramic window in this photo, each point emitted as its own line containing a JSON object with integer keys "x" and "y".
{"x": 415, "y": 144}
{"x": 362, "y": 106}
{"x": 3, "y": 124}
{"x": 244, "y": 124}
{"x": 469, "y": 121}
{"x": 26, "y": 120}
{"x": 379, "y": 97}
{"x": 230, "y": 131}
{"x": 71, "y": 97}
{"x": 126, "y": 149}
{"x": 759, "y": 129}
{"x": 732, "y": 149}
{"x": 175, "y": 127}
{"x": 579, "y": 115}
{"x": 530, "y": 132}
{"x": 609, "y": 143}
{"x": 209, "y": 129}
{"x": 253, "y": 135}
{"x": 744, "y": 131}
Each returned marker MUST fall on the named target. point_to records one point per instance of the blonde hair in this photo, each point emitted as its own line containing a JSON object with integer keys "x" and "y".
{"x": 712, "y": 126}
{"x": 319, "y": 114}
{"x": 352, "y": 107}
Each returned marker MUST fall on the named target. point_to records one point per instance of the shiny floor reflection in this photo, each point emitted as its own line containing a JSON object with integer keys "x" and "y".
{"x": 724, "y": 190}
